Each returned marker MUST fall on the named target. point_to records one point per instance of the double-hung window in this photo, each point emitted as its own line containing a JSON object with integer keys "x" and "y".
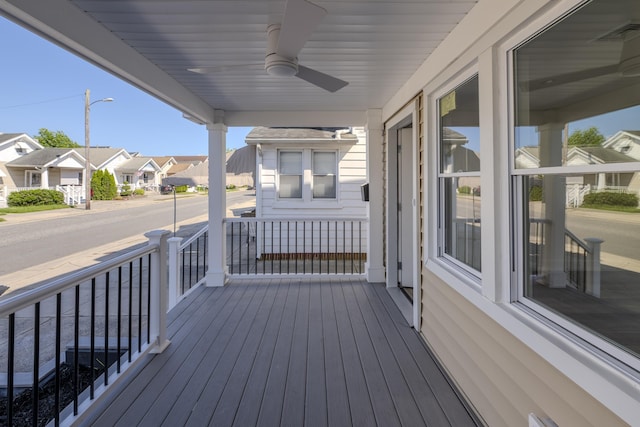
{"x": 459, "y": 176}
{"x": 290, "y": 174}
{"x": 576, "y": 176}
{"x": 307, "y": 175}
{"x": 324, "y": 174}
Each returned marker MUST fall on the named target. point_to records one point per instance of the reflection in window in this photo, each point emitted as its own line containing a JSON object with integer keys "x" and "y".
{"x": 459, "y": 176}
{"x": 578, "y": 116}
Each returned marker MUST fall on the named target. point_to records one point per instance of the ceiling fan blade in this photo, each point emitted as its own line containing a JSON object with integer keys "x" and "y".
{"x": 298, "y": 23}
{"x": 221, "y": 68}
{"x": 575, "y": 76}
{"x": 322, "y": 80}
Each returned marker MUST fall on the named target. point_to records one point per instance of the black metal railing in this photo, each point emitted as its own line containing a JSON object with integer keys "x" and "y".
{"x": 294, "y": 246}
{"x": 575, "y": 260}
{"x": 66, "y": 340}
{"x": 193, "y": 260}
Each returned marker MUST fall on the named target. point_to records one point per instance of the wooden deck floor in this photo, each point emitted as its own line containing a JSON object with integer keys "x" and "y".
{"x": 290, "y": 353}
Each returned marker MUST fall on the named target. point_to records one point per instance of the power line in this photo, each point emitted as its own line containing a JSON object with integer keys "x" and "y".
{"x": 41, "y": 102}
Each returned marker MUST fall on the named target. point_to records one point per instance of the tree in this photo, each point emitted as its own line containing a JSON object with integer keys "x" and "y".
{"x": 103, "y": 185}
{"x": 58, "y": 138}
{"x": 590, "y": 137}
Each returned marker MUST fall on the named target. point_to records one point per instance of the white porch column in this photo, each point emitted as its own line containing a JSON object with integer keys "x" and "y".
{"x": 217, "y": 272}
{"x": 374, "y": 267}
{"x": 44, "y": 178}
{"x": 554, "y": 190}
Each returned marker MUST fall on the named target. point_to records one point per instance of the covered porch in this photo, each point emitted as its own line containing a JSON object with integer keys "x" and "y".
{"x": 288, "y": 352}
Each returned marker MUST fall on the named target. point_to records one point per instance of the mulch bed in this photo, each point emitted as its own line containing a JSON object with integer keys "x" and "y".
{"x": 23, "y": 401}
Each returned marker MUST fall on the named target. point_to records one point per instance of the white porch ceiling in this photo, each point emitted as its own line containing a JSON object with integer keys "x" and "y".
{"x": 374, "y": 45}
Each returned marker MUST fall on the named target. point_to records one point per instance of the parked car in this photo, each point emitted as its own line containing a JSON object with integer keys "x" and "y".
{"x": 166, "y": 189}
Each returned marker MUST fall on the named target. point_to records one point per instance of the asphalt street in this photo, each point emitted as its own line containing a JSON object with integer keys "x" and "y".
{"x": 38, "y": 245}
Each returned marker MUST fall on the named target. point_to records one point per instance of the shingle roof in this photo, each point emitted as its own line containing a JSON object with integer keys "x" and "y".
{"x": 134, "y": 164}
{"x": 607, "y": 155}
{"x": 8, "y": 136}
{"x": 190, "y": 159}
{"x": 296, "y": 134}
{"x": 99, "y": 155}
{"x": 162, "y": 160}
{"x": 179, "y": 168}
{"x": 40, "y": 157}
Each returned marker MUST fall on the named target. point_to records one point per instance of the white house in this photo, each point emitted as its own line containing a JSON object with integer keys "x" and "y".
{"x": 520, "y": 346}
{"x": 309, "y": 172}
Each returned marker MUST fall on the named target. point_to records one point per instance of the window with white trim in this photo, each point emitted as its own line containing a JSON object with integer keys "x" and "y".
{"x": 459, "y": 175}
{"x": 576, "y": 175}
{"x": 307, "y": 174}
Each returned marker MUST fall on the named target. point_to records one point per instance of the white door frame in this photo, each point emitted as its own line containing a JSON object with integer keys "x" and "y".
{"x": 408, "y": 115}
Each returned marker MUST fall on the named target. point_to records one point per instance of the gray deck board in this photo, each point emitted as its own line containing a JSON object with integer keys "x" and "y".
{"x": 290, "y": 353}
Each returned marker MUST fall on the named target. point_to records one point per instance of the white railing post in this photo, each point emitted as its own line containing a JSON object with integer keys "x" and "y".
{"x": 174, "y": 270}
{"x": 158, "y": 276}
{"x": 593, "y": 266}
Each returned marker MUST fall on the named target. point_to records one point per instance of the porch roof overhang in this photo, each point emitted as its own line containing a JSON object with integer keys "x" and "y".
{"x": 375, "y": 46}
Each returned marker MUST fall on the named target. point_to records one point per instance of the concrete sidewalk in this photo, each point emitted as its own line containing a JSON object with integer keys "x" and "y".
{"x": 38, "y": 274}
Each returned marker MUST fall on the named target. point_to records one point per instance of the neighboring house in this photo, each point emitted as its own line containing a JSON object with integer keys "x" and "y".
{"x": 139, "y": 172}
{"x": 12, "y": 147}
{"x": 165, "y": 163}
{"x": 241, "y": 166}
{"x": 309, "y": 172}
{"x": 48, "y": 168}
{"x": 622, "y": 147}
{"x": 192, "y": 177}
{"x": 306, "y": 173}
{"x": 107, "y": 158}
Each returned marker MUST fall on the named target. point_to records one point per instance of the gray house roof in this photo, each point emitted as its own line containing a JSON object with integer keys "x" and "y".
{"x": 4, "y": 137}
{"x": 41, "y": 158}
{"x": 137, "y": 163}
{"x": 99, "y": 155}
{"x": 242, "y": 160}
{"x": 606, "y": 155}
{"x": 275, "y": 134}
{"x": 194, "y": 176}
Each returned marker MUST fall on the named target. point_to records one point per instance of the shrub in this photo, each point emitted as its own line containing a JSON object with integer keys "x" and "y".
{"x": 35, "y": 198}
{"x": 231, "y": 186}
{"x": 103, "y": 185}
{"x": 610, "y": 198}
{"x": 535, "y": 193}
{"x": 181, "y": 188}
{"x": 465, "y": 189}
{"x": 138, "y": 192}
{"x": 126, "y": 189}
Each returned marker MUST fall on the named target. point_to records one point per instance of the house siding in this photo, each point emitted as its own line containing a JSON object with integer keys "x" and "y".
{"x": 503, "y": 379}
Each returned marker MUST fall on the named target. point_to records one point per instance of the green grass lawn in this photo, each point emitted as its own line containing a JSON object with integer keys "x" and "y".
{"x": 26, "y": 209}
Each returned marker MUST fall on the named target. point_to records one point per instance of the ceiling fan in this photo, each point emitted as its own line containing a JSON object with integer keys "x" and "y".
{"x": 285, "y": 41}
{"x": 627, "y": 66}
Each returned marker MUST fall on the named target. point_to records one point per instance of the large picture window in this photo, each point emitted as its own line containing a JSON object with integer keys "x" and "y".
{"x": 576, "y": 174}
{"x": 459, "y": 175}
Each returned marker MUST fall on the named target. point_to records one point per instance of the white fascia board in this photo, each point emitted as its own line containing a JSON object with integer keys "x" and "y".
{"x": 295, "y": 118}
{"x": 71, "y": 153}
{"x": 67, "y": 26}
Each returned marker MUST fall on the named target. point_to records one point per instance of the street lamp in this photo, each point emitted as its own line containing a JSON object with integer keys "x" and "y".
{"x": 87, "y": 165}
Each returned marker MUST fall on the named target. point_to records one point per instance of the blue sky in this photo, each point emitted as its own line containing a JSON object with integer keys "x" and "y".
{"x": 43, "y": 85}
